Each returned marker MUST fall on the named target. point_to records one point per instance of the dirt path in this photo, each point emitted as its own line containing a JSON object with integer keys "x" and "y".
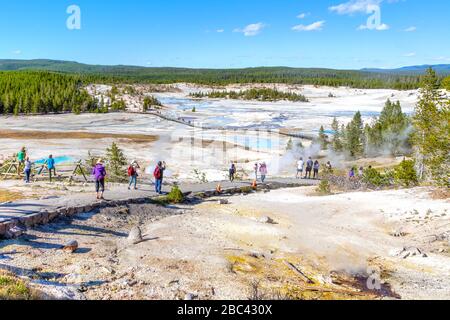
{"x": 81, "y": 195}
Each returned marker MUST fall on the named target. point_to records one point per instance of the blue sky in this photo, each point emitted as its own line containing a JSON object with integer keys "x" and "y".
{"x": 230, "y": 33}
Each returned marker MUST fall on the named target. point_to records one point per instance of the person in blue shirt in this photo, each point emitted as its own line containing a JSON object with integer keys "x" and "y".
{"x": 50, "y": 163}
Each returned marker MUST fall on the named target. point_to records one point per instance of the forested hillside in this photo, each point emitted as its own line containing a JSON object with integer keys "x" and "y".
{"x": 43, "y": 92}
{"x": 132, "y": 74}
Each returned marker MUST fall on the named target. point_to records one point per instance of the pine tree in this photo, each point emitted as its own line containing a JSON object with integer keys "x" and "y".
{"x": 323, "y": 138}
{"x": 336, "y": 142}
{"x": 116, "y": 161}
{"x": 388, "y": 131}
{"x": 147, "y": 104}
{"x": 290, "y": 145}
{"x": 354, "y": 142}
{"x": 446, "y": 83}
{"x": 431, "y": 138}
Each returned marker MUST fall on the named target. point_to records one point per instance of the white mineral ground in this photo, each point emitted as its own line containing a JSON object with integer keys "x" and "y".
{"x": 173, "y": 141}
{"x": 205, "y": 251}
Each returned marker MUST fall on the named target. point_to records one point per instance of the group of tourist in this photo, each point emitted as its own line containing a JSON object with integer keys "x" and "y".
{"x": 310, "y": 167}
{"x": 24, "y": 162}
{"x": 24, "y": 165}
{"x": 305, "y": 170}
{"x": 99, "y": 174}
{"x": 353, "y": 175}
{"x": 260, "y": 171}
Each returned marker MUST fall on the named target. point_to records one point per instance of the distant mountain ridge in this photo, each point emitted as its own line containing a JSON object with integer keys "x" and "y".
{"x": 413, "y": 70}
{"x": 400, "y": 79}
{"x": 73, "y": 66}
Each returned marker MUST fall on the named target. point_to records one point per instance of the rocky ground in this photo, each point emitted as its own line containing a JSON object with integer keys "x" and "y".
{"x": 286, "y": 244}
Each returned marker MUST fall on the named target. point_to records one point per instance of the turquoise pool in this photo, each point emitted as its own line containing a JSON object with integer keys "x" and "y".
{"x": 58, "y": 160}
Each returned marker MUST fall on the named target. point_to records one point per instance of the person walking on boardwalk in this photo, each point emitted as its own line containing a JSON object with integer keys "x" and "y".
{"x": 263, "y": 171}
{"x": 316, "y": 169}
{"x": 361, "y": 171}
{"x": 232, "y": 172}
{"x": 21, "y": 156}
{"x": 133, "y": 174}
{"x": 99, "y": 173}
{"x": 351, "y": 174}
{"x": 27, "y": 170}
{"x": 255, "y": 169}
{"x": 309, "y": 168}
{"x": 50, "y": 164}
{"x": 329, "y": 167}
{"x": 300, "y": 167}
{"x": 158, "y": 174}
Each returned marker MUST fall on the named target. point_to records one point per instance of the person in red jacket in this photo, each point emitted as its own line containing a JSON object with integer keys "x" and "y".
{"x": 159, "y": 176}
{"x": 133, "y": 174}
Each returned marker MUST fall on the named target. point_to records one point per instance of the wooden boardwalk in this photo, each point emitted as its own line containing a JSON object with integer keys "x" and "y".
{"x": 32, "y": 212}
{"x": 180, "y": 120}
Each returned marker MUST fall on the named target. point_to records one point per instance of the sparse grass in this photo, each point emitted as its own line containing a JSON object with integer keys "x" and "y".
{"x": 324, "y": 188}
{"x": 175, "y": 196}
{"x": 6, "y": 196}
{"x": 12, "y": 288}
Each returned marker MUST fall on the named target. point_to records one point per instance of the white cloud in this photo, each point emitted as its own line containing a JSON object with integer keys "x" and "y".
{"x": 410, "y": 54}
{"x": 442, "y": 58}
{"x": 355, "y": 6}
{"x": 302, "y": 15}
{"x": 17, "y": 52}
{"x": 220, "y": 30}
{"x": 381, "y": 27}
{"x": 410, "y": 29}
{"x": 252, "y": 29}
{"x": 316, "y": 26}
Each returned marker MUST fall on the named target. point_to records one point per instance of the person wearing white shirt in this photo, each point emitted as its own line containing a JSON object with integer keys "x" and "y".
{"x": 300, "y": 166}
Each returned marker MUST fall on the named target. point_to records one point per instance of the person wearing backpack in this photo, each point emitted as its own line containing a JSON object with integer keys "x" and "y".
{"x": 133, "y": 174}
{"x": 158, "y": 174}
{"x": 309, "y": 168}
{"x": 99, "y": 173}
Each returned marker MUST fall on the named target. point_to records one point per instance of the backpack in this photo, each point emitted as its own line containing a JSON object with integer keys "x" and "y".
{"x": 157, "y": 173}
{"x": 131, "y": 171}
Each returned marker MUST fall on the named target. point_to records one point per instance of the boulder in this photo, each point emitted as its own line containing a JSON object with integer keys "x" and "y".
{"x": 124, "y": 211}
{"x": 266, "y": 219}
{"x": 223, "y": 201}
{"x": 45, "y": 216}
{"x": 70, "y": 211}
{"x": 71, "y": 246}
{"x": 135, "y": 235}
{"x": 398, "y": 233}
{"x": 80, "y": 210}
{"x": 15, "y": 232}
{"x": 53, "y": 215}
{"x": 2, "y": 229}
{"x": 190, "y": 297}
{"x": 409, "y": 252}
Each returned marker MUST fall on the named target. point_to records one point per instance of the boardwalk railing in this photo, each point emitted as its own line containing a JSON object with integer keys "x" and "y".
{"x": 192, "y": 124}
